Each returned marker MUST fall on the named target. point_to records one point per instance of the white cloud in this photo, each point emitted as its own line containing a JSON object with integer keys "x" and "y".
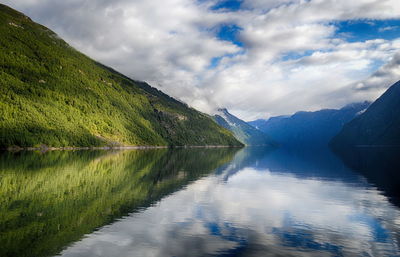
{"x": 385, "y": 76}
{"x": 171, "y": 45}
{"x": 388, "y": 28}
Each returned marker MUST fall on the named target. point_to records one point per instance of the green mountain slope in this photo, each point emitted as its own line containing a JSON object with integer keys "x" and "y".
{"x": 379, "y": 125}
{"x": 51, "y": 94}
{"x": 244, "y": 132}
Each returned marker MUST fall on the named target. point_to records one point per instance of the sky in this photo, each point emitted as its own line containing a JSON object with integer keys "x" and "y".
{"x": 258, "y": 58}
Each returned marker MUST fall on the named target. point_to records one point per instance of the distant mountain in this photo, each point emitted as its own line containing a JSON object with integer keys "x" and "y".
{"x": 243, "y": 132}
{"x": 309, "y": 128}
{"x": 54, "y": 95}
{"x": 262, "y": 124}
{"x": 379, "y": 125}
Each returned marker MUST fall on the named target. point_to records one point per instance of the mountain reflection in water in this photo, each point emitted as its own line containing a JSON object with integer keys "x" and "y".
{"x": 264, "y": 203}
{"x": 261, "y": 202}
{"x": 50, "y": 200}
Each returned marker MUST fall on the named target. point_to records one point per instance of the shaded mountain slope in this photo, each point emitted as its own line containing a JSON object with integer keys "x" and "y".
{"x": 379, "y": 125}
{"x": 52, "y": 94}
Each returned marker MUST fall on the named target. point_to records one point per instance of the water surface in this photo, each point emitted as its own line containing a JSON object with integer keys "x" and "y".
{"x": 194, "y": 202}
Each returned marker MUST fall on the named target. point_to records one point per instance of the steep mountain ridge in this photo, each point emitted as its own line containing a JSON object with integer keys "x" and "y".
{"x": 243, "y": 132}
{"x": 54, "y": 95}
{"x": 379, "y": 125}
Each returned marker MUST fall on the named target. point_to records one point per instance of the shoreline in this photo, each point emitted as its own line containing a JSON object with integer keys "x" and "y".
{"x": 142, "y": 147}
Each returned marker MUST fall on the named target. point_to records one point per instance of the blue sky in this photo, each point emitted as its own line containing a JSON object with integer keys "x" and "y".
{"x": 229, "y": 32}
{"x": 358, "y": 30}
{"x": 232, "y": 5}
{"x": 258, "y": 58}
{"x": 361, "y": 30}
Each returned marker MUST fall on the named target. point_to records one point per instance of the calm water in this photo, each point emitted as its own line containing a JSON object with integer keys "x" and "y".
{"x": 198, "y": 202}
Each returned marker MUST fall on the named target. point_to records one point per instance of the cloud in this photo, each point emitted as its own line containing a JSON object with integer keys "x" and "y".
{"x": 388, "y": 28}
{"x": 384, "y": 77}
{"x": 290, "y": 56}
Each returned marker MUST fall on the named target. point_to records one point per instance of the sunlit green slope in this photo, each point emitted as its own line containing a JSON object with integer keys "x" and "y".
{"x": 51, "y": 94}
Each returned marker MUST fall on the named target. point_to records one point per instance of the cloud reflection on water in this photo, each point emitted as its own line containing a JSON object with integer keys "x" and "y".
{"x": 254, "y": 211}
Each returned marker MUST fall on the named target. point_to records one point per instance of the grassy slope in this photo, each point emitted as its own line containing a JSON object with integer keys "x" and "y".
{"x": 51, "y": 94}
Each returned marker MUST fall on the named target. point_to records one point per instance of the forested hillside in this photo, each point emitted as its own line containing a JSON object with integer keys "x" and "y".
{"x": 52, "y": 94}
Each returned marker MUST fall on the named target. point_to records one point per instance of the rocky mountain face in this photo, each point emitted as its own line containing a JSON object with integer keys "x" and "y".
{"x": 244, "y": 132}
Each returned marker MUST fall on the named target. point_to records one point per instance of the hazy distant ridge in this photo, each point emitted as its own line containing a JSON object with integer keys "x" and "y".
{"x": 309, "y": 128}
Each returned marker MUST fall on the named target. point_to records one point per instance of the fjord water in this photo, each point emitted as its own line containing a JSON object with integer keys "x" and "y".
{"x": 194, "y": 202}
